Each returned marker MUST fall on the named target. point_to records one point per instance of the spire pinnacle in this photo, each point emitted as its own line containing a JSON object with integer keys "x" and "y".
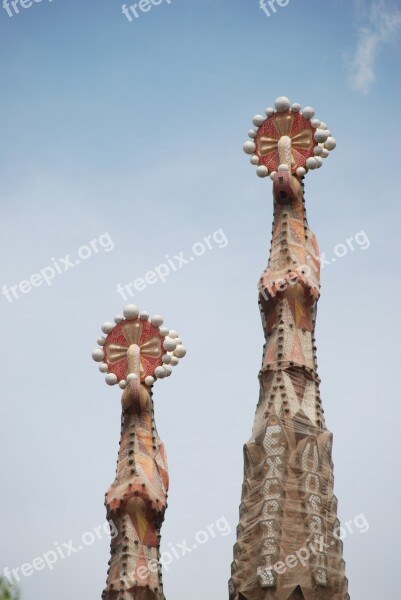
{"x": 310, "y": 140}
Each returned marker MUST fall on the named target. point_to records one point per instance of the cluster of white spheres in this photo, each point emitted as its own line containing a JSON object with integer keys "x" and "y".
{"x": 130, "y": 377}
{"x": 312, "y": 163}
{"x": 160, "y": 372}
{"x": 330, "y": 143}
{"x": 169, "y": 344}
{"x": 321, "y": 135}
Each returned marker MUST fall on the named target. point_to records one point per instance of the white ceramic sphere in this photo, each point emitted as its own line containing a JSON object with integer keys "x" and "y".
{"x": 269, "y": 112}
{"x": 123, "y": 384}
{"x": 174, "y": 361}
{"x": 258, "y": 120}
{"x": 169, "y": 344}
{"x": 315, "y": 123}
{"x": 311, "y": 163}
{"x": 325, "y": 153}
{"x": 166, "y": 359}
{"x": 262, "y": 171}
{"x": 272, "y": 175}
{"x": 319, "y": 161}
{"x": 318, "y": 150}
{"x": 178, "y": 340}
{"x": 149, "y": 380}
{"x": 163, "y": 331}
{"x": 254, "y": 159}
{"x": 157, "y": 321}
{"x": 144, "y": 315}
{"x": 103, "y": 367}
{"x": 111, "y": 379}
{"x": 132, "y": 377}
{"x": 173, "y": 334}
{"x": 118, "y": 319}
{"x": 98, "y": 355}
{"x": 282, "y": 104}
{"x": 295, "y": 107}
{"x": 168, "y": 370}
{"x": 308, "y": 112}
{"x": 323, "y": 125}
{"x": 101, "y": 341}
{"x": 249, "y": 147}
{"x": 320, "y": 136}
{"x": 252, "y": 133}
{"x": 330, "y": 143}
{"x": 107, "y": 327}
{"x": 160, "y": 373}
{"x": 301, "y": 172}
{"x": 180, "y": 351}
{"x": 131, "y": 312}
{"x": 283, "y": 168}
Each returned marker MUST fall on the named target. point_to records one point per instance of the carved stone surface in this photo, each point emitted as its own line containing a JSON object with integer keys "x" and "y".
{"x": 136, "y": 503}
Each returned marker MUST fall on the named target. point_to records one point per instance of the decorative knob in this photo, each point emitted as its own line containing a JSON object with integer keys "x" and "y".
{"x": 288, "y": 138}
{"x": 139, "y": 347}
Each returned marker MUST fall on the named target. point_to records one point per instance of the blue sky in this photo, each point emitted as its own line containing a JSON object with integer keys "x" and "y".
{"x": 136, "y": 129}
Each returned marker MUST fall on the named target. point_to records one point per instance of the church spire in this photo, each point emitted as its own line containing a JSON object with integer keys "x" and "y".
{"x": 135, "y": 352}
{"x": 288, "y": 547}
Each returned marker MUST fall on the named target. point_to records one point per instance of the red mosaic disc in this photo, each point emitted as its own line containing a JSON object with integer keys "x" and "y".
{"x": 141, "y": 333}
{"x": 293, "y": 125}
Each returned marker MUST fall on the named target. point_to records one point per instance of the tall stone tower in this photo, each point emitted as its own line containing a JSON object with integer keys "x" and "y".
{"x": 135, "y": 352}
{"x": 288, "y": 547}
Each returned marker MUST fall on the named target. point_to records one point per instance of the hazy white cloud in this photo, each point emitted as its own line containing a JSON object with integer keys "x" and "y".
{"x": 382, "y": 22}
